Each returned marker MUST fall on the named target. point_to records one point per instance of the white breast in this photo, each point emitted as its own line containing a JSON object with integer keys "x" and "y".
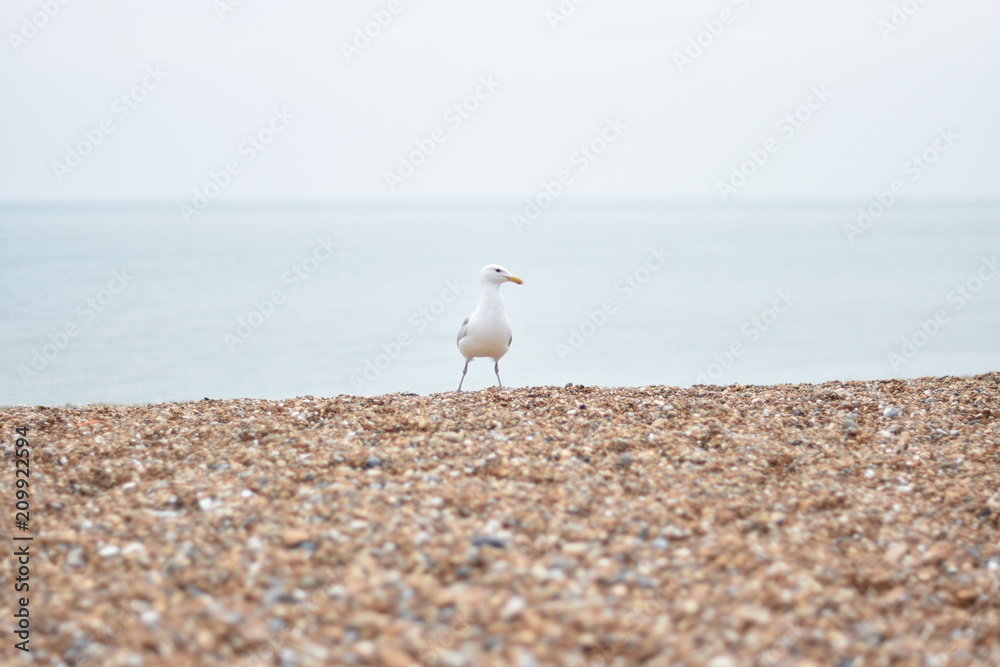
{"x": 486, "y": 335}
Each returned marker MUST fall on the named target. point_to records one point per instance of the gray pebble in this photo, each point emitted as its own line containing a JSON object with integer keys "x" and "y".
{"x": 489, "y": 541}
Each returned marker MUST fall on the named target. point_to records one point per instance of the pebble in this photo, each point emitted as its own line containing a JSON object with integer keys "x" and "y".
{"x": 489, "y": 541}
{"x": 512, "y": 608}
{"x": 292, "y": 538}
{"x": 851, "y": 422}
{"x": 395, "y": 658}
{"x": 895, "y": 554}
{"x": 722, "y": 661}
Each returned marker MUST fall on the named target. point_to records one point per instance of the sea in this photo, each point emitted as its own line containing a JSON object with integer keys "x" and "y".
{"x": 135, "y": 303}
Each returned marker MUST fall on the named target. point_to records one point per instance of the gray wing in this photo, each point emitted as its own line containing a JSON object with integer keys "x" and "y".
{"x": 462, "y": 330}
{"x": 510, "y": 340}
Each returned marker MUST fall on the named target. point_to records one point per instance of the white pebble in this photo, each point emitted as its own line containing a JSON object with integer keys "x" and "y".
{"x": 513, "y": 607}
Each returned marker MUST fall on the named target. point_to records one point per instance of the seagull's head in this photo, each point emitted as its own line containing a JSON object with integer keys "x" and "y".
{"x": 496, "y": 274}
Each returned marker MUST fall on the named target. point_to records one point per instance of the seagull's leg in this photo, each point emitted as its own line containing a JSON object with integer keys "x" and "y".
{"x": 464, "y": 370}
{"x": 496, "y": 369}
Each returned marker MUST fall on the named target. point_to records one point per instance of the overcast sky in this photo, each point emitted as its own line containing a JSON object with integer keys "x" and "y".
{"x": 339, "y": 112}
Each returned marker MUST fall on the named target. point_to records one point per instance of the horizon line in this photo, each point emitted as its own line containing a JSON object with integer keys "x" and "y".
{"x": 421, "y": 200}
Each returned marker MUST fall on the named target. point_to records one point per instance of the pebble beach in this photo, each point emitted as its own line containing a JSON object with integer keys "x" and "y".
{"x": 845, "y": 523}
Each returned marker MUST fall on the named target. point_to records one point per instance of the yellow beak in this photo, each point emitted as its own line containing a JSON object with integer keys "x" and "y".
{"x": 515, "y": 279}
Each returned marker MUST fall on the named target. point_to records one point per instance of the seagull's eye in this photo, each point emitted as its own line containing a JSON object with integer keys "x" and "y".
{"x": 497, "y": 270}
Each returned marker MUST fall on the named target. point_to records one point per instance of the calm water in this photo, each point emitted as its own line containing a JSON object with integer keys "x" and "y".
{"x": 131, "y": 305}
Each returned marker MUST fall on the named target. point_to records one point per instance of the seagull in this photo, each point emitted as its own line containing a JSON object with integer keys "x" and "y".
{"x": 486, "y": 332}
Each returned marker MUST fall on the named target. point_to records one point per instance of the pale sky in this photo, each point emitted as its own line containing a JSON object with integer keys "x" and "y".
{"x": 337, "y": 126}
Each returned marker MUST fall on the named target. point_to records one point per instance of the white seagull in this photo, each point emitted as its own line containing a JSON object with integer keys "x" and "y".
{"x": 486, "y": 332}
